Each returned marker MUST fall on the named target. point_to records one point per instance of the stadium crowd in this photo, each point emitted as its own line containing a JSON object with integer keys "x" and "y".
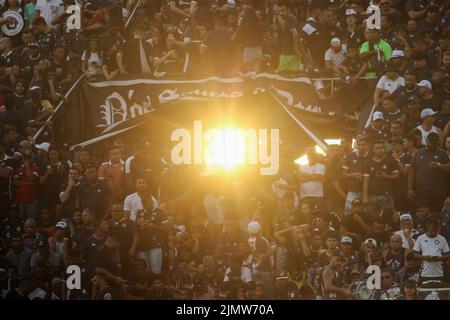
{"x": 140, "y": 228}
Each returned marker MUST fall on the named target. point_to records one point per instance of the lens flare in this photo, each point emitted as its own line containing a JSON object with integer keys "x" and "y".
{"x": 227, "y": 149}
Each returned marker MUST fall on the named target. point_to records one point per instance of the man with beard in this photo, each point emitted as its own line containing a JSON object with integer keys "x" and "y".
{"x": 403, "y": 93}
{"x": 333, "y": 282}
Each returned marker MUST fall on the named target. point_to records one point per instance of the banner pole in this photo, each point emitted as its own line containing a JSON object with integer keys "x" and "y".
{"x": 60, "y": 103}
{"x": 321, "y": 143}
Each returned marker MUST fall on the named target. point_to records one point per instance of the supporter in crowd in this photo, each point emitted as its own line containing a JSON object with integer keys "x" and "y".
{"x": 140, "y": 228}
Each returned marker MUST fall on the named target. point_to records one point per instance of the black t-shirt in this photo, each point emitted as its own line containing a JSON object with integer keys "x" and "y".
{"x": 380, "y": 186}
{"x": 285, "y": 39}
{"x": 402, "y": 95}
{"x": 193, "y": 58}
{"x": 89, "y": 248}
{"x": 411, "y": 122}
{"x": 353, "y": 65}
{"x": 132, "y": 55}
{"x": 390, "y": 117}
{"x": 6, "y": 162}
{"x": 47, "y": 40}
{"x": 220, "y": 48}
{"x": 15, "y": 116}
{"x": 31, "y": 110}
{"x": 434, "y": 103}
{"x": 402, "y": 183}
{"x": 432, "y": 29}
{"x": 354, "y": 163}
{"x": 94, "y": 196}
{"x": 126, "y": 230}
{"x": 352, "y": 226}
{"x": 426, "y": 178}
{"x": 381, "y": 134}
{"x": 51, "y": 187}
{"x": 333, "y": 173}
{"x": 110, "y": 62}
{"x": 148, "y": 238}
{"x": 68, "y": 207}
{"x": 108, "y": 259}
{"x": 5, "y": 80}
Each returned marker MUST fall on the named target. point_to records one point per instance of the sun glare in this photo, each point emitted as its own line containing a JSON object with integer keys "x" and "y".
{"x": 227, "y": 149}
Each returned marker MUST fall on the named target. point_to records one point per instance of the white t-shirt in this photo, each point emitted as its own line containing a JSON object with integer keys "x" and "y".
{"x": 414, "y": 233}
{"x": 390, "y": 85}
{"x": 94, "y": 63}
{"x": 133, "y": 203}
{"x": 426, "y": 133}
{"x": 312, "y": 188}
{"x": 336, "y": 58}
{"x": 50, "y": 9}
{"x": 427, "y": 246}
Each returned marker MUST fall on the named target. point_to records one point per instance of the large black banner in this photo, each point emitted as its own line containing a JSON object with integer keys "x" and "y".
{"x": 100, "y": 109}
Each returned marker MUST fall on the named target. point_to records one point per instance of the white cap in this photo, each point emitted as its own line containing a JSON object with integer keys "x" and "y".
{"x": 181, "y": 228}
{"x": 427, "y": 113}
{"x": 425, "y": 83}
{"x": 377, "y": 115}
{"x": 35, "y": 88}
{"x": 370, "y": 241}
{"x": 346, "y": 239}
{"x": 405, "y": 216}
{"x": 336, "y": 41}
{"x": 253, "y": 227}
{"x": 397, "y": 53}
{"x": 43, "y": 146}
{"x": 61, "y": 224}
{"x": 350, "y": 12}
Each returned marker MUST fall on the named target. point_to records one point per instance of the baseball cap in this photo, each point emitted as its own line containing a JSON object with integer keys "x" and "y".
{"x": 335, "y": 41}
{"x": 346, "y": 239}
{"x": 350, "y": 12}
{"x": 35, "y": 88}
{"x": 427, "y": 113}
{"x": 61, "y": 224}
{"x": 397, "y": 54}
{"x": 282, "y": 276}
{"x": 356, "y": 201}
{"x": 377, "y": 115}
{"x": 253, "y": 227}
{"x": 425, "y": 83}
{"x": 371, "y": 241}
{"x": 43, "y": 146}
{"x": 405, "y": 216}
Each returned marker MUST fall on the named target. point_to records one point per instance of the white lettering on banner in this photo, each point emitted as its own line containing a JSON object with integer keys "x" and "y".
{"x": 116, "y": 109}
{"x": 374, "y": 20}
